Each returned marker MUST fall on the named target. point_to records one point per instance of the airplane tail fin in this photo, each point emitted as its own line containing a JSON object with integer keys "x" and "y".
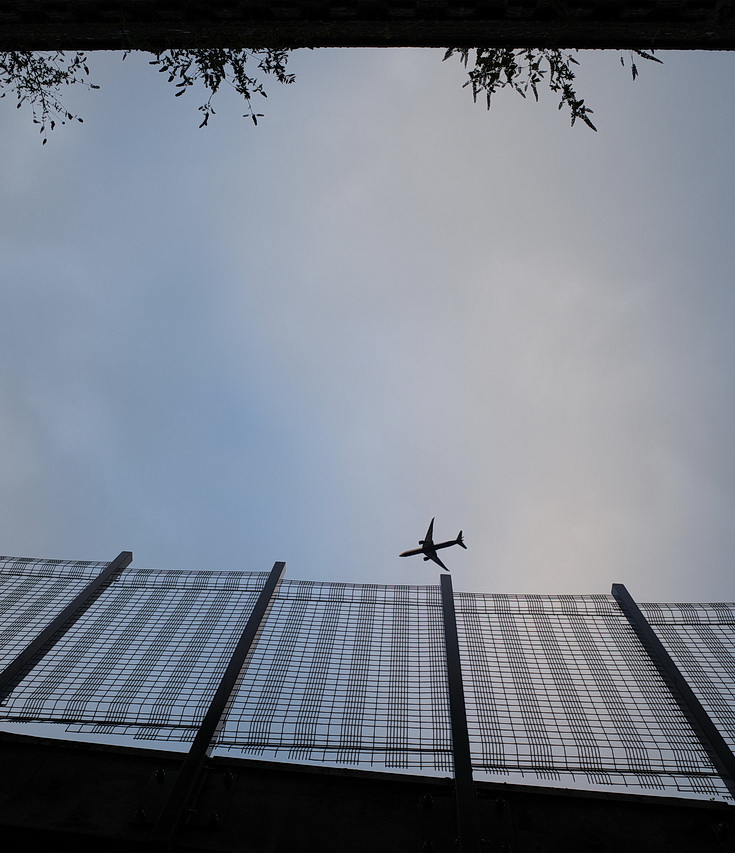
{"x": 460, "y": 540}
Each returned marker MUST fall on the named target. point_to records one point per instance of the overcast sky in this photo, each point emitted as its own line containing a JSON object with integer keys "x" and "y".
{"x": 229, "y": 346}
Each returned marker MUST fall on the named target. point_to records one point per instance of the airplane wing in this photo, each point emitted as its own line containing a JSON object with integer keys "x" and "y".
{"x": 430, "y": 533}
{"x": 437, "y": 560}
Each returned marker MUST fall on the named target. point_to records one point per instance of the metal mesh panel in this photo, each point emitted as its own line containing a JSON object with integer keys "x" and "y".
{"x": 558, "y": 688}
{"x": 701, "y": 640}
{"x": 32, "y": 592}
{"x": 149, "y": 651}
{"x": 348, "y": 674}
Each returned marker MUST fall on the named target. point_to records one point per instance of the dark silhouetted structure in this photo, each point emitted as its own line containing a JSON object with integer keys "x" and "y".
{"x": 334, "y": 716}
{"x": 160, "y": 24}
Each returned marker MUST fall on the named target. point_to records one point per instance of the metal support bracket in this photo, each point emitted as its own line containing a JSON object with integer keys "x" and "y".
{"x": 210, "y": 807}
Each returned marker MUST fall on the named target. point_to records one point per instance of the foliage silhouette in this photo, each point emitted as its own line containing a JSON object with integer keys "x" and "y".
{"x": 527, "y": 68}
{"x": 37, "y": 78}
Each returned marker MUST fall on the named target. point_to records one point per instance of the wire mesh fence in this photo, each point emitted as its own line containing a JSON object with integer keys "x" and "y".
{"x": 148, "y": 652}
{"x": 558, "y": 688}
{"x": 32, "y": 592}
{"x": 346, "y": 673}
{"x": 701, "y": 640}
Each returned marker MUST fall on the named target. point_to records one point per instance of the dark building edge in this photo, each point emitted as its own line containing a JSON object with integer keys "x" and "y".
{"x": 90, "y": 797}
{"x": 161, "y": 24}
{"x": 509, "y": 35}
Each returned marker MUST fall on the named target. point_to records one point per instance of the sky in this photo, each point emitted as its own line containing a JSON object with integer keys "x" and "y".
{"x": 301, "y": 341}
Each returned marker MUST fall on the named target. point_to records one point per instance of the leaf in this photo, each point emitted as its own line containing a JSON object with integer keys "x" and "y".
{"x": 650, "y": 56}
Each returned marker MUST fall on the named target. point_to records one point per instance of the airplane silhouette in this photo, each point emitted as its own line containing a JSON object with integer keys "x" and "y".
{"x": 429, "y": 549}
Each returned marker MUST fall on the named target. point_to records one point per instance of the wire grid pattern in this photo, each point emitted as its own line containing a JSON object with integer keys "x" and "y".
{"x": 701, "y": 640}
{"x": 352, "y": 674}
{"x": 32, "y": 592}
{"x": 558, "y": 688}
{"x": 149, "y": 652}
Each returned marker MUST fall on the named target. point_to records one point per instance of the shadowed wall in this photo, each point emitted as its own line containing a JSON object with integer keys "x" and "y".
{"x": 94, "y": 797}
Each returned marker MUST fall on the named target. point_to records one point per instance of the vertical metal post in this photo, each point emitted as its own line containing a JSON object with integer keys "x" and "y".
{"x": 712, "y": 741}
{"x": 17, "y": 669}
{"x": 464, "y": 786}
{"x": 185, "y": 784}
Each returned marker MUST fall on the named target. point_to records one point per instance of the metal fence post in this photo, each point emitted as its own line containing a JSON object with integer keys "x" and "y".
{"x": 185, "y": 784}
{"x": 712, "y": 741}
{"x": 17, "y": 669}
{"x": 464, "y": 786}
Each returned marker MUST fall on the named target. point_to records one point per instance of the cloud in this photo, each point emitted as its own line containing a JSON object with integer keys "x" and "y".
{"x": 302, "y": 341}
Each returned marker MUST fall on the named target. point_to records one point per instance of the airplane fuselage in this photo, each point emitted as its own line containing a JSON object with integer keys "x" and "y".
{"x": 427, "y": 548}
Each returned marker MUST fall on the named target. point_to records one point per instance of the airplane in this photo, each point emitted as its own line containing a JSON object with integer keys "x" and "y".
{"x": 429, "y": 549}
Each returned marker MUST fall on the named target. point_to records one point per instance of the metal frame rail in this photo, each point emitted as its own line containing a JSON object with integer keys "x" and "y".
{"x": 712, "y": 741}
{"x": 464, "y": 786}
{"x": 17, "y": 669}
{"x": 186, "y": 781}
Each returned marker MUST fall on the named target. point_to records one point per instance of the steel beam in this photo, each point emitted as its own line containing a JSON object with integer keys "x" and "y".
{"x": 712, "y": 741}
{"x": 186, "y": 782}
{"x": 17, "y": 669}
{"x": 464, "y": 786}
